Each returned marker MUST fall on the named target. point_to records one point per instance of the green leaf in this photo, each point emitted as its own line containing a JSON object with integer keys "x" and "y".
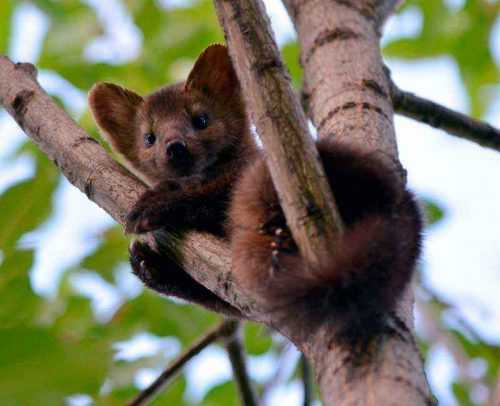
{"x": 464, "y": 35}
{"x": 173, "y": 395}
{"x": 109, "y": 254}
{"x": 433, "y": 212}
{"x": 18, "y": 303}
{"x": 461, "y": 392}
{"x": 224, "y": 394}
{"x": 158, "y": 315}
{"x": 40, "y": 367}
{"x": 479, "y": 349}
{"x": 291, "y": 55}
{"x": 257, "y": 339}
{"x": 6, "y": 11}
{"x": 26, "y": 205}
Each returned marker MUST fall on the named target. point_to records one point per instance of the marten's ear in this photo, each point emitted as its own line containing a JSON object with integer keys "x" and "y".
{"x": 114, "y": 109}
{"x": 213, "y": 73}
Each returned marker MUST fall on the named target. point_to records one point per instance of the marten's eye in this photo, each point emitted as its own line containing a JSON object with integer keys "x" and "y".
{"x": 200, "y": 121}
{"x": 149, "y": 139}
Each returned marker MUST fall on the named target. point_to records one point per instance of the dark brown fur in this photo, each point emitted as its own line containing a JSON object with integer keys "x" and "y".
{"x": 195, "y": 196}
{"x": 356, "y": 288}
{"x": 227, "y": 190}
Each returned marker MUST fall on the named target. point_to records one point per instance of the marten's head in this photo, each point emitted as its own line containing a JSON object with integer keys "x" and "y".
{"x": 194, "y": 128}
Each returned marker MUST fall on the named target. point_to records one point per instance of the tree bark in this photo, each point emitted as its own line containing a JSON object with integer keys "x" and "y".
{"x": 348, "y": 97}
{"x": 292, "y": 157}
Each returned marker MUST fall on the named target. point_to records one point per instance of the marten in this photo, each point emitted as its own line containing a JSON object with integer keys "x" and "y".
{"x": 193, "y": 144}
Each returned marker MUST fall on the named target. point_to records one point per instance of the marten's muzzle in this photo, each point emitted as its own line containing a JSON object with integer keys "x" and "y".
{"x": 178, "y": 155}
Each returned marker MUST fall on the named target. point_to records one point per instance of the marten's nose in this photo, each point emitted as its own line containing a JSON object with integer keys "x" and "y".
{"x": 177, "y": 151}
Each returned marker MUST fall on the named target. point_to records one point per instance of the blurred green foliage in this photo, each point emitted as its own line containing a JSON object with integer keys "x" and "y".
{"x": 52, "y": 348}
{"x": 462, "y": 33}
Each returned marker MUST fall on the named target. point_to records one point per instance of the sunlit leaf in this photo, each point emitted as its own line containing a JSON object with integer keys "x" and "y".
{"x": 433, "y": 212}
{"x": 462, "y": 393}
{"x": 257, "y": 339}
{"x": 462, "y": 33}
{"x": 6, "y": 10}
{"x": 291, "y": 52}
{"x": 224, "y": 394}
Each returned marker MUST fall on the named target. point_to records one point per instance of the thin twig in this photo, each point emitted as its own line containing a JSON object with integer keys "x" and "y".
{"x": 307, "y": 380}
{"x": 224, "y": 329}
{"x": 460, "y": 125}
{"x": 236, "y": 355}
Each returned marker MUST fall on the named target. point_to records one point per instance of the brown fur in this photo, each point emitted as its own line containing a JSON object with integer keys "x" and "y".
{"x": 181, "y": 198}
{"x": 226, "y": 189}
{"x": 356, "y": 288}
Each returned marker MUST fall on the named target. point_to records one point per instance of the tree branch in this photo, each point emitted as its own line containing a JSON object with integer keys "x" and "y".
{"x": 348, "y": 98}
{"x": 236, "y": 355}
{"x": 281, "y": 124}
{"x": 460, "y": 125}
{"x": 306, "y": 381}
{"x": 227, "y": 328}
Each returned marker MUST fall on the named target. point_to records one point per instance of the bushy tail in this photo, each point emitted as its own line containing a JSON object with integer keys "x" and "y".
{"x": 358, "y": 287}
{"x": 359, "y": 284}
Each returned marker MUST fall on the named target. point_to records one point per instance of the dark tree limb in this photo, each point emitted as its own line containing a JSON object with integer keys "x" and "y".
{"x": 236, "y": 355}
{"x": 225, "y": 329}
{"x": 306, "y": 381}
{"x": 460, "y": 125}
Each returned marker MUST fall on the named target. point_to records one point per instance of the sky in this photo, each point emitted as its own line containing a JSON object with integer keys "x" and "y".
{"x": 461, "y": 260}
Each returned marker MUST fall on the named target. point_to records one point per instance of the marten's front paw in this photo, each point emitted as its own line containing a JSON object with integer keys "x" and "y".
{"x": 142, "y": 218}
{"x": 148, "y": 214}
{"x": 152, "y": 210}
{"x": 282, "y": 243}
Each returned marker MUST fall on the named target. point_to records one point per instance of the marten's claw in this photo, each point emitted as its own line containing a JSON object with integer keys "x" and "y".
{"x": 142, "y": 218}
{"x": 283, "y": 241}
{"x": 142, "y": 259}
{"x": 275, "y": 222}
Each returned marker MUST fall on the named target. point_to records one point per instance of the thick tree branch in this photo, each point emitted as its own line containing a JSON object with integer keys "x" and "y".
{"x": 460, "y": 125}
{"x": 225, "y": 329}
{"x": 348, "y": 98}
{"x": 291, "y": 154}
